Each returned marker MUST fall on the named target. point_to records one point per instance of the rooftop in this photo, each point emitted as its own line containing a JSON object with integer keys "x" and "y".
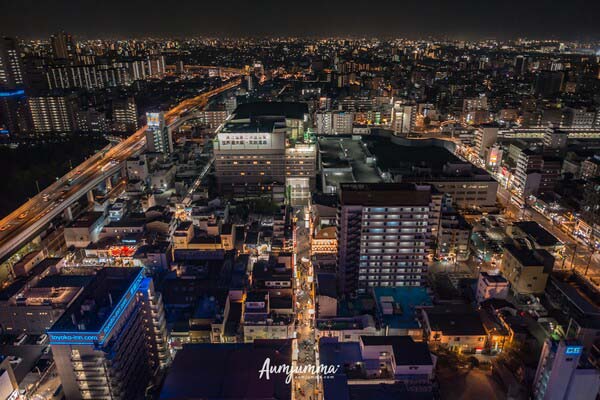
{"x": 397, "y": 306}
{"x": 406, "y": 350}
{"x": 537, "y": 233}
{"x": 291, "y": 110}
{"x": 97, "y": 307}
{"x": 531, "y": 257}
{"x": 383, "y": 194}
{"x": 228, "y": 371}
{"x": 455, "y": 321}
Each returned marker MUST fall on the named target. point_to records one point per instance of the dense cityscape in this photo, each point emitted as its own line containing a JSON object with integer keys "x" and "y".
{"x": 296, "y": 218}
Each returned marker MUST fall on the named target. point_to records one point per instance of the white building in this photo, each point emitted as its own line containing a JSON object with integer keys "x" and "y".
{"x": 559, "y": 375}
{"x": 491, "y": 287}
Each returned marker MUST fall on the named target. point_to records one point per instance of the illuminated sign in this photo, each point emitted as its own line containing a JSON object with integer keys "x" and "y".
{"x": 573, "y": 350}
{"x": 122, "y": 251}
{"x": 12, "y": 93}
{"x": 90, "y": 338}
{"x": 154, "y": 120}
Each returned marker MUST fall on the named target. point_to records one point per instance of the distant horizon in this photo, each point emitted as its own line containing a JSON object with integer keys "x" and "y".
{"x": 441, "y": 38}
{"x": 457, "y": 20}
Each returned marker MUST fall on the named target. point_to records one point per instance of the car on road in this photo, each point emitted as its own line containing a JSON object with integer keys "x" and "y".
{"x": 23, "y": 215}
{"x": 3, "y": 228}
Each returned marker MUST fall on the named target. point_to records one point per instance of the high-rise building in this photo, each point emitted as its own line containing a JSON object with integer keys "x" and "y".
{"x": 403, "y": 118}
{"x": 63, "y": 45}
{"x": 155, "y": 324}
{"x": 384, "y": 233}
{"x": 560, "y": 375}
{"x": 11, "y": 86}
{"x": 52, "y": 114}
{"x": 105, "y": 342}
{"x": 11, "y": 68}
{"x": 124, "y": 114}
{"x": 158, "y": 136}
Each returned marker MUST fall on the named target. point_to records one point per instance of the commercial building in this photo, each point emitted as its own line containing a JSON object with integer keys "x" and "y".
{"x": 262, "y": 145}
{"x": 432, "y": 162}
{"x": 101, "y": 344}
{"x": 384, "y": 233}
{"x": 561, "y": 375}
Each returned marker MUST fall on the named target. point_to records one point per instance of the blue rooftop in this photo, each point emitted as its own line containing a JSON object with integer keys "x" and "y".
{"x": 399, "y": 305}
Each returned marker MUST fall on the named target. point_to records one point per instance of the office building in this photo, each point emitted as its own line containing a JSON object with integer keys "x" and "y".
{"x": 520, "y": 65}
{"x": 561, "y": 375}
{"x": 528, "y": 161}
{"x": 383, "y": 233}
{"x": 101, "y": 343}
{"x": 159, "y": 138}
{"x": 32, "y": 305}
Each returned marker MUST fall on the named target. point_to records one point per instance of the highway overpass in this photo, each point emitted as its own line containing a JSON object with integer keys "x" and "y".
{"x": 29, "y": 219}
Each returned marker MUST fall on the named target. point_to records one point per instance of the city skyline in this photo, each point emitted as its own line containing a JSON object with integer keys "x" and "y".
{"x": 296, "y": 218}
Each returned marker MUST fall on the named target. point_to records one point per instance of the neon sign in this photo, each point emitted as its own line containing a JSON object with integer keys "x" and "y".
{"x": 573, "y": 350}
{"x": 99, "y": 337}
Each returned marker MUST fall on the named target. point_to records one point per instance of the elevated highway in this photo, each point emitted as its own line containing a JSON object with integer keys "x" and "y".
{"x": 30, "y": 218}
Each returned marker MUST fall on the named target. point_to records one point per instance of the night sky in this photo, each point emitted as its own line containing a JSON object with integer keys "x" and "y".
{"x": 463, "y": 19}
